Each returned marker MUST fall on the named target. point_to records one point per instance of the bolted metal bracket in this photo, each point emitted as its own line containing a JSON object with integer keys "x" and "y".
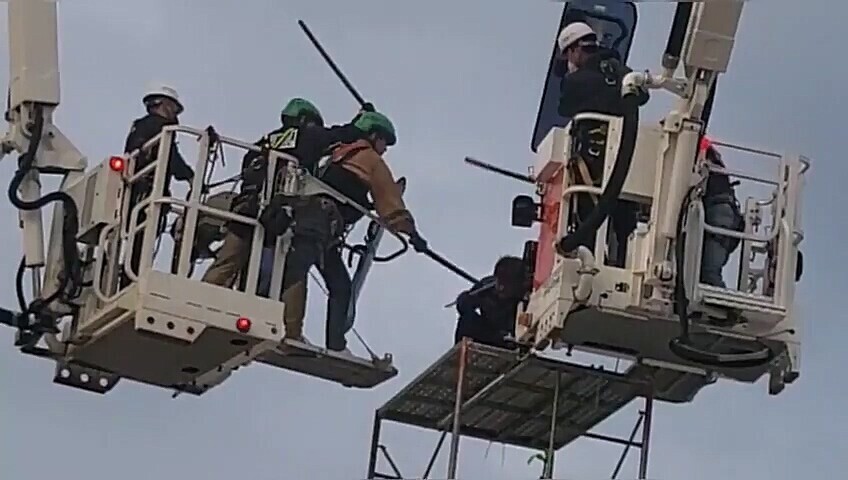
{"x": 85, "y": 378}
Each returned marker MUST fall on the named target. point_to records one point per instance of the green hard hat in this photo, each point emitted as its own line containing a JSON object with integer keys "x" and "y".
{"x": 299, "y": 107}
{"x": 375, "y": 122}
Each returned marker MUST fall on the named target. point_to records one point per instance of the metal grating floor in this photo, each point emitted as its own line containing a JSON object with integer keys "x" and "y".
{"x": 508, "y": 399}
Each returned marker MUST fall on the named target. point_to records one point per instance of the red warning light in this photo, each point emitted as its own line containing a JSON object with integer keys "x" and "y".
{"x": 243, "y": 325}
{"x": 117, "y": 164}
{"x": 706, "y": 143}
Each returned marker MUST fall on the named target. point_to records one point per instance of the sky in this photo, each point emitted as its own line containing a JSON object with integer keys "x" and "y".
{"x": 458, "y": 79}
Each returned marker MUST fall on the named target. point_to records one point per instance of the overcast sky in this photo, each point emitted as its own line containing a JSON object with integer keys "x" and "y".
{"x": 458, "y": 78}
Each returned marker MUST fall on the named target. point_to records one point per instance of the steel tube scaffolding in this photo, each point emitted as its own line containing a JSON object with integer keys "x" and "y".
{"x": 522, "y": 400}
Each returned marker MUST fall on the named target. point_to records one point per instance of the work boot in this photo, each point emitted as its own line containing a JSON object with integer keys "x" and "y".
{"x": 346, "y": 353}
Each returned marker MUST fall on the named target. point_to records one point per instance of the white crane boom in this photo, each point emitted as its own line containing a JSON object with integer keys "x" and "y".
{"x": 206, "y": 329}
{"x": 663, "y": 174}
{"x": 34, "y": 94}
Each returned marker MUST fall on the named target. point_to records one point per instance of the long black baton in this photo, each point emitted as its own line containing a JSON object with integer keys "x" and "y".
{"x": 449, "y": 265}
{"x": 331, "y": 63}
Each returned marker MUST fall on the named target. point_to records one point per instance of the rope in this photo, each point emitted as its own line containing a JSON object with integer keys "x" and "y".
{"x": 353, "y": 329}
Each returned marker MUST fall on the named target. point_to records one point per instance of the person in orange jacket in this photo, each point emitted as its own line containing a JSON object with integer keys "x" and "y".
{"x": 356, "y": 170}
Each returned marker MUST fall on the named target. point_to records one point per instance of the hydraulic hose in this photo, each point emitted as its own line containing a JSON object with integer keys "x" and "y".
{"x": 630, "y": 130}
{"x": 683, "y": 346}
{"x": 71, "y": 275}
{"x": 677, "y": 35}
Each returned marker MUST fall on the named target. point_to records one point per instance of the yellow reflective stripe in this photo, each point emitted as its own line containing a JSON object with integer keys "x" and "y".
{"x": 286, "y": 139}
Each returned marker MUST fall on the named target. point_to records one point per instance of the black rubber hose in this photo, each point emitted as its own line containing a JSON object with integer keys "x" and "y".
{"x": 72, "y": 274}
{"x": 630, "y": 130}
{"x": 19, "y": 282}
{"x": 679, "y": 25}
{"x": 683, "y": 346}
{"x": 679, "y": 258}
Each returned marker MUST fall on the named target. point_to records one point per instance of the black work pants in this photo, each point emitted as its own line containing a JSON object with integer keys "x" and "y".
{"x": 621, "y": 223}
{"x": 623, "y": 214}
{"x": 138, "y": 241}
{"x": 306, "y": 252}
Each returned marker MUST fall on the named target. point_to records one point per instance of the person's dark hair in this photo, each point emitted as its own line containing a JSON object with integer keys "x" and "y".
{"x": 510, "y": 269}
{"x": 713, "y": 156}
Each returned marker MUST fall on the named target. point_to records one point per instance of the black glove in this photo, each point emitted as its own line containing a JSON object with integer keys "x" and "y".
{"x": 418, "y": 243}
{"x": 368, "y": 107}
{"x": 254, "y": 172}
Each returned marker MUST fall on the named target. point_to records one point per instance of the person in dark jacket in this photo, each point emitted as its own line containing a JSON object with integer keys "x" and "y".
{"x": 593, "y": 84}
{"x": 302, "y": 135}
{"x": 163, "y": 108}
{"x": 487, "y": 310}
{"x": 721, "y": 209}
{"x": 356, "y": 170}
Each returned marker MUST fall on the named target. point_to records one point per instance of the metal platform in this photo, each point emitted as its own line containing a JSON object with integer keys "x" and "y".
{"x": 509, "y": 399}
{"x": 502, "y": 396}
{"x": 322, "y": 363}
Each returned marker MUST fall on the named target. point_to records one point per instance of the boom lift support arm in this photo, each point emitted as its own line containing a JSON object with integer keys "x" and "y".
{"x": 702, "y": 36}
{"x": 34, "y": 95}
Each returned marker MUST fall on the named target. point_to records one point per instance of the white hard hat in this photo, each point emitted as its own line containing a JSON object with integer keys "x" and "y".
{"x": 160, "y": 90}
{"x": 572, "y": 33}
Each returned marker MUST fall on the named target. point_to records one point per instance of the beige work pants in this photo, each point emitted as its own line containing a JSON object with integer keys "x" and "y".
{"x": 230, "y": 260}
{"x": 295, "y": 300}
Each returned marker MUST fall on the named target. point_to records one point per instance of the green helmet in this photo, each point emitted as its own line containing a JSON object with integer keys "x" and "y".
{"x": 299, "y": 107}
{"x": 375, "y": 122}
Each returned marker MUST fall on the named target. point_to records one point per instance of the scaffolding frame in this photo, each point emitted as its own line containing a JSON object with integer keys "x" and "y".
{"x": 481, "y": 374}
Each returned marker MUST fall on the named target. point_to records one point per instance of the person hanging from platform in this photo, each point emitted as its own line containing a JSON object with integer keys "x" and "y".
{"x": 487, "y": 310}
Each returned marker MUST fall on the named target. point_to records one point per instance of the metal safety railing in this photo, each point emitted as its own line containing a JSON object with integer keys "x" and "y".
{"x": 128, "y": 229}
{"x": 576, "y": 161}
{"x": 118, "y": 239}
{"x": 779, "y": 240}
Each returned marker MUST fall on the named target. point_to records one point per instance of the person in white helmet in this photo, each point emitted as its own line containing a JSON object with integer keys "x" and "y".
{"x": 594, "y": 73}
{"x": 593, "y": 84}
{"x": 576, "y": 42}
{"x": 163, "y": 108}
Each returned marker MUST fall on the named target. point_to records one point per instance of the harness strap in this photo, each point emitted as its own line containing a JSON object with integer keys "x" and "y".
{"x": 347, "y": 156}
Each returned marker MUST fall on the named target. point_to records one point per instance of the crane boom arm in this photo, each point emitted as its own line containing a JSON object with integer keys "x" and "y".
{"x": 34, "y": 94}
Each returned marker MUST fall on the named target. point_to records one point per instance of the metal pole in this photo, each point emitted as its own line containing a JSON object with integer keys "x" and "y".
{"x": 460, "y": 377}
{"x": 450, "y": 266}
{"x": 331, "y": 63}
{"x": 549, "y": 457}
{"x": 627, "y": 447}
{"x": 501, "y": 171}
{"x": 375, "y": 441}
{"x": 646, "y": 436}
{"x": 435, "y": 455}
{"x": 390, "y": 460}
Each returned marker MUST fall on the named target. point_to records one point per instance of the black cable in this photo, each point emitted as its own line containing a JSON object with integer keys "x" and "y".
{"x": 19, "y": 280}
{"x": 683, "y": 346}
{"x": 71, "y": 276}
{"x": 679, "y": 258}
{"x": 679, "y": 25}
{"x": 630, "y": 129}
